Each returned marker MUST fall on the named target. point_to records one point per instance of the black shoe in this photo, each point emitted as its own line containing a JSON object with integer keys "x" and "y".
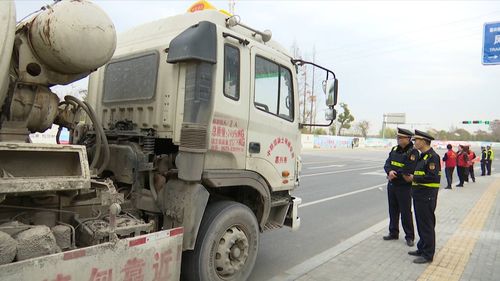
{"x": 409, "y": 242}
{"x": 414, "y": 253}
{"x": 390, "y": 237}
{"x": 473, "y": 180}
{"x": 459, "y": 185}
{"x": 420, "y": 260}
{"x": 448, "y": 187}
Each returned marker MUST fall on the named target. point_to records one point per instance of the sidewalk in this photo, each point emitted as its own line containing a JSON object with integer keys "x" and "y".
{"x": 467, "y": 244}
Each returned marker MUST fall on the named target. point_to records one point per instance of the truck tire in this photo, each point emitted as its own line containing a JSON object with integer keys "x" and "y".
{"x": 226, "y": 246}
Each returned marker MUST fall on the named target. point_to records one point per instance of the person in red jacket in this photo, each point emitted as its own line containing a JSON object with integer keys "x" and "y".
{"x": 450, "y": 160}
{"x": 472, "y": 157}
{"x": 462, "y": 164}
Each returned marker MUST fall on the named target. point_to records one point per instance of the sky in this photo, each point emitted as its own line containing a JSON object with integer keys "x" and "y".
{"x": 421, "y": 58}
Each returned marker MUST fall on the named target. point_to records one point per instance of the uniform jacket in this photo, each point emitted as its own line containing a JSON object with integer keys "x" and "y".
{"x": 484, "y": 156}
{"x": 403, "y": 161}
{"x": 428, "y": 170}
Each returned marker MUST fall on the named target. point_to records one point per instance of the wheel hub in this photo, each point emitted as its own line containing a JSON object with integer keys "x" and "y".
{"x": 232, "y": 252}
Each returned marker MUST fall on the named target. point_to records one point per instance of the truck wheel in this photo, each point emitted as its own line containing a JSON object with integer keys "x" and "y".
{"x": 226, "y": 246}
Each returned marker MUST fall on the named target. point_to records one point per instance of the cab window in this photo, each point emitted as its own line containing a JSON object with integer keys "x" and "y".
{"x": 273, "y": 88}
{"x": 231, "y": 72}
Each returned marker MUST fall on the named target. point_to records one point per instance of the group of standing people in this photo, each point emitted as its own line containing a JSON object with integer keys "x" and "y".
{"x": 413, "y": 171}
{"x": 487, "y": 156}
{"x": 464, "y": 160}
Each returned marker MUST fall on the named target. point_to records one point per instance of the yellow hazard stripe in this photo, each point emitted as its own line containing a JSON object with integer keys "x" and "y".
{"x": 419, "y": 173}
{"x": 451, "y": 261}
{"x": 433, "y": 185}
{"x": 397, "y": 164}
{"x": 426, "y": 156}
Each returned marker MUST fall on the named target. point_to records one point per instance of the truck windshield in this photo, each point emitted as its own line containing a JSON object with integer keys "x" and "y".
{"x": 132, "y": 78}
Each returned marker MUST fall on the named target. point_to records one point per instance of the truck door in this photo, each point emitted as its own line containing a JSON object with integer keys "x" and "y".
{"x": 273, "y": 135}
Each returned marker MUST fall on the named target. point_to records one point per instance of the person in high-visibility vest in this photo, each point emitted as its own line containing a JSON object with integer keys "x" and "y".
{"x": 425, "y": 186}
{"x": 490, "y": 157}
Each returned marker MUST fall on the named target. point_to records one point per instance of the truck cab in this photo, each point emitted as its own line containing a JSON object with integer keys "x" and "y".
{"x": 218, "y": 105}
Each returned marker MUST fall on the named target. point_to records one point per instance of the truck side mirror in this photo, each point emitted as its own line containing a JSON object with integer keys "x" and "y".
{"x": 330, "y": 114}
{"x": 330, "y": 88}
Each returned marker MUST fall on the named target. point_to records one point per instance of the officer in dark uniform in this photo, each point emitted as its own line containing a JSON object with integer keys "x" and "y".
{"x": 401, "y": 161}
{"x": 425, "y": 187}
{"x": 484, "y": 160}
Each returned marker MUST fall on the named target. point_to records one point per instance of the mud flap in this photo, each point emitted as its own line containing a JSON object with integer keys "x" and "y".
{"x": 292, "y": 218}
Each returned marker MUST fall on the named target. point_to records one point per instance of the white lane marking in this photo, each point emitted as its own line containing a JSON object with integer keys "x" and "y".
{"x": 375, "y": 174}
{"x": 341, "y": 171}
{"x": 319, "y": 162}
{"x": 321, "y": 167}
{"x": 379, "y": 186}
{"x": 344, "y": 160}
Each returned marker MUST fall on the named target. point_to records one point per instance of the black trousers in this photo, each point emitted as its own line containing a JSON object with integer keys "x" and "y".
{"x": 449, "y": 175}
{"x": 471, "y": 173}
{"x": 483, "y": 168}
{"x": 488, "y": 166}
{"x": 399, "y": 197}
{"x": 424, "y": 203}
{"x": 462, "y": 174}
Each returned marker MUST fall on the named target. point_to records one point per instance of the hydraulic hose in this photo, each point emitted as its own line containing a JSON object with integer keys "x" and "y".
{"x": 107, "y": 153}
{"x": 100, "y": 135}
{"x": 73, "y": 100}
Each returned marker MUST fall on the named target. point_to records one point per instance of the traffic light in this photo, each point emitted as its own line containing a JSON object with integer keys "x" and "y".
{"x": 477, "y": 122}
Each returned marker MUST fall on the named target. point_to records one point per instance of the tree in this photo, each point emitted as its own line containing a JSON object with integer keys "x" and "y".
{"x": 442, "y": 135}
{"x": 332, "y": 129}
{"x": 463, "y": 134}
{"x": 389, "y": 133}
{"x": 481, "y": 135}
{"x": 495, "y": 130}
{"x": 345, "y": 118}
{"x": 304, "y": 89}
{"x": 319, "y": 131}
{"x": 363, "y": 126}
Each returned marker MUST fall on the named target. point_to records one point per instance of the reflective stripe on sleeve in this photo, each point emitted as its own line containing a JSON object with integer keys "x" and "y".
{"x": 397, "y": 164}
{"x": 433, "y": 185}
{"x": 419, "y": 173}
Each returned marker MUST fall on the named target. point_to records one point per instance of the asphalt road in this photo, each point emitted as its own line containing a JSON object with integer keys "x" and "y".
{"x": 343, "y": 193}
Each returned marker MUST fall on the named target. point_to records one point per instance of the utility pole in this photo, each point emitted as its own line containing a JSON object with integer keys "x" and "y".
{"x": 383, "y": 126}
{"x": 305, "y": 94}
{"x": 313, "y": 101}
{"x": 231, "y": 7}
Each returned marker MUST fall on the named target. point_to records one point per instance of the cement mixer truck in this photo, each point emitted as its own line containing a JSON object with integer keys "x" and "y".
{"x": 185, "y": 150}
